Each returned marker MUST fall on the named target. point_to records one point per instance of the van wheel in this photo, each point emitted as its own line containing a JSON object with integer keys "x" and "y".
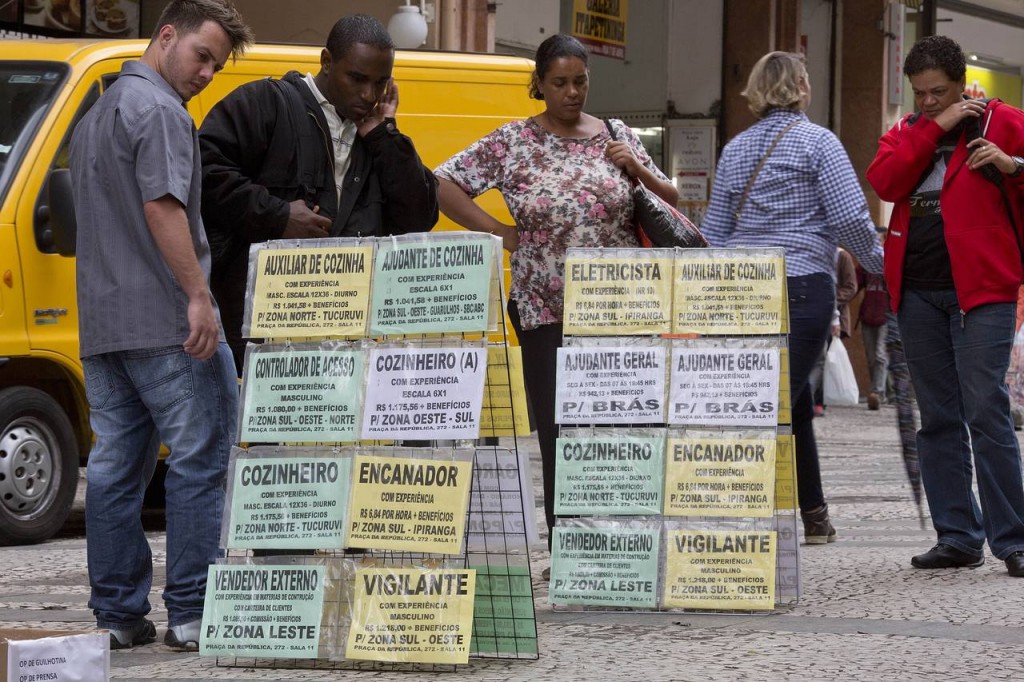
{"x": 38, "y": 466}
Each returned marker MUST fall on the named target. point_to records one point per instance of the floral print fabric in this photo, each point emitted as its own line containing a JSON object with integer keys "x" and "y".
{"x": 562, "y": 192}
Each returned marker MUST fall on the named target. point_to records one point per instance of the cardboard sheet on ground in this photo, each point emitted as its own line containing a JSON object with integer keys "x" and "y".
{"x": 302, "y": 393}
{"x": 605, "y": 562}
{"x": 608, "y": 471}
{"x": 262, "y": 610}
{"x": 286, "y": 499}
{"x": 425, "y": 392}
{"x": 724, "y": 383}
{"x": 308, "y": 288}
{"x": 729, "y": 291}
{"x": 618, "y": 291}
{"x": 599, "y": 383}
{"x": 715, "y": 473}
{"x": 435, "y": 282}
{"x": 410, "y": 504}
{"x": 731, "y": 569}
{"x": 412, "y": 615}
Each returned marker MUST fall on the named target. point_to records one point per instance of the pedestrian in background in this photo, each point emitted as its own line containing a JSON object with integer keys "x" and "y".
{"x": 871, "y": 319}
{"x": 846, "y": 290}
{"x": 271, "y": 172}
{"x": 565, "y": 183}
{"x": 153, "y": 352}
{"x": 953, "y": 269}
{"x": 786, "y": 182}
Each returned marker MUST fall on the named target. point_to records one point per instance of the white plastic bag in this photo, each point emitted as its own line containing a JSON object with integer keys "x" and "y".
{"x": 840, "y": 384}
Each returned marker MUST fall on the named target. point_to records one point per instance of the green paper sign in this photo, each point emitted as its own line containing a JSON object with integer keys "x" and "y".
{"x": 611, "y": 565}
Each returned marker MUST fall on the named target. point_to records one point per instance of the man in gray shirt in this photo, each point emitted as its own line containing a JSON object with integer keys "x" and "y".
{"x": 156, "y": 365}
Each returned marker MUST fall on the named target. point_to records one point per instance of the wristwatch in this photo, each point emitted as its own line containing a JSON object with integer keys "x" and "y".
{"x": 1019, "y": 161}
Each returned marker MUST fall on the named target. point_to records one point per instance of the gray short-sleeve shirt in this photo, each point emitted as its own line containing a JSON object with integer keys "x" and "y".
{"x": 136, "y": 144}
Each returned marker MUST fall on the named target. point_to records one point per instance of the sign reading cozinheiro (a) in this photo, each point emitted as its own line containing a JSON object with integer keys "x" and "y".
{"x": 610, "y": 385}
{"x": 301, "y": 394}
{"x": 266, "y": 611}
{"x": 429, "y": 393}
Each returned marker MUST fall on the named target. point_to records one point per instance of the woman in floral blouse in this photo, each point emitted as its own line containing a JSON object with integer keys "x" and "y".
{"x": 564, "y": 181}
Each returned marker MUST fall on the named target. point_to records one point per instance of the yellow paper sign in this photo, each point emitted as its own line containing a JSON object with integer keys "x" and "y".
{"x": 601, "y": 26}
{"x": 720, "y": 569}
{"x": 617, "y": 296}
{"x": 504, "y": 407}
{"x": 310, "y": 292}
{"x": 785, "y": 473}
{"x": 412, "y": 505}
{"x": 785, "y": 395}
{"x": 725, "y": 291}
{"x": 412, "y": 615}
{"x": 717, "y": 474}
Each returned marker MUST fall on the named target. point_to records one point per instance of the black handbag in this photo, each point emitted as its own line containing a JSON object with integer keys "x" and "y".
{"x": 658, "y": 223}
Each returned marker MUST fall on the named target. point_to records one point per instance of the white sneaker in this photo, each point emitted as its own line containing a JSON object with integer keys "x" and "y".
{"x": 184, "y": 637}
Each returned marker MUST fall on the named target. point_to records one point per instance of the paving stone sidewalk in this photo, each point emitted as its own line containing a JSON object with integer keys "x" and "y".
{"x": 865, "y": 613}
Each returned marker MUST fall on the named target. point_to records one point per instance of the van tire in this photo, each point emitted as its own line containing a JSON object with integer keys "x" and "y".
{"x": 38, "y": 466}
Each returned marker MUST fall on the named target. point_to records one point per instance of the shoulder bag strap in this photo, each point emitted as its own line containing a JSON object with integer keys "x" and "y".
{"x": 611, "y": 132}
{"x": 997, "y": 179}
{"x": 760, "y": 165}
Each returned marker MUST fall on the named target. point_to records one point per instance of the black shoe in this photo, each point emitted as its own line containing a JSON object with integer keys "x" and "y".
{"x": 1015, "y": 565}
{"x": 818, "y": 529}
{"x": 947, "y": 556}
{"x": 184, "y": 637}
{"x": 143, "y": 633}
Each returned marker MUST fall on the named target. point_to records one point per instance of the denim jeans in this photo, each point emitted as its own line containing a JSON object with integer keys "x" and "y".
{"x": 812, "y": 298}
{"x": 139, "y": 398}
{"x": 878, "y": 359}
{"x": 958, "y": 367}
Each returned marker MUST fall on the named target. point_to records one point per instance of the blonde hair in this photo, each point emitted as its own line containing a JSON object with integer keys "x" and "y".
{"x": 774, "y": 83}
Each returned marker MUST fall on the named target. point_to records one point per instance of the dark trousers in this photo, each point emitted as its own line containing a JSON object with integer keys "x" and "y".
{"x": 540, "y": 354}
{"x": 811, "y": 301}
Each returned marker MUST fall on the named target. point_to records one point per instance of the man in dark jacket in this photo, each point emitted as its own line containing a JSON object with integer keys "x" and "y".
{"x": 308, "y": 157}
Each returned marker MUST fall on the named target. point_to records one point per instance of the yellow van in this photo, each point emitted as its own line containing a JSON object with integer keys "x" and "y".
{"x": 447, "y": 101}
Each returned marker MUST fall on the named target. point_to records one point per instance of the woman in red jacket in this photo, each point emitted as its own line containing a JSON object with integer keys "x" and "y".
{"x": 953, "y": 268}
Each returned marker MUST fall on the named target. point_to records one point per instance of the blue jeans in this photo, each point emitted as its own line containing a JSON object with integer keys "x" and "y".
{"x": 138, "y": 399}
{"x": 958, "y": 367}
{"x": 812, "y": 298}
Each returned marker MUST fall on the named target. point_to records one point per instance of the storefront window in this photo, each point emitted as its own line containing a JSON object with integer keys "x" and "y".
{"x": 99, "y": 18}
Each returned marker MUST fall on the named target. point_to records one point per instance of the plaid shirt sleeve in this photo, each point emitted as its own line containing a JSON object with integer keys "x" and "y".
{"x": 846, "y": 208}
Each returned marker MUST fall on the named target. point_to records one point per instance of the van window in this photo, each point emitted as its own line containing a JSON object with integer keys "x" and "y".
{"x": 27, "y": 89}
